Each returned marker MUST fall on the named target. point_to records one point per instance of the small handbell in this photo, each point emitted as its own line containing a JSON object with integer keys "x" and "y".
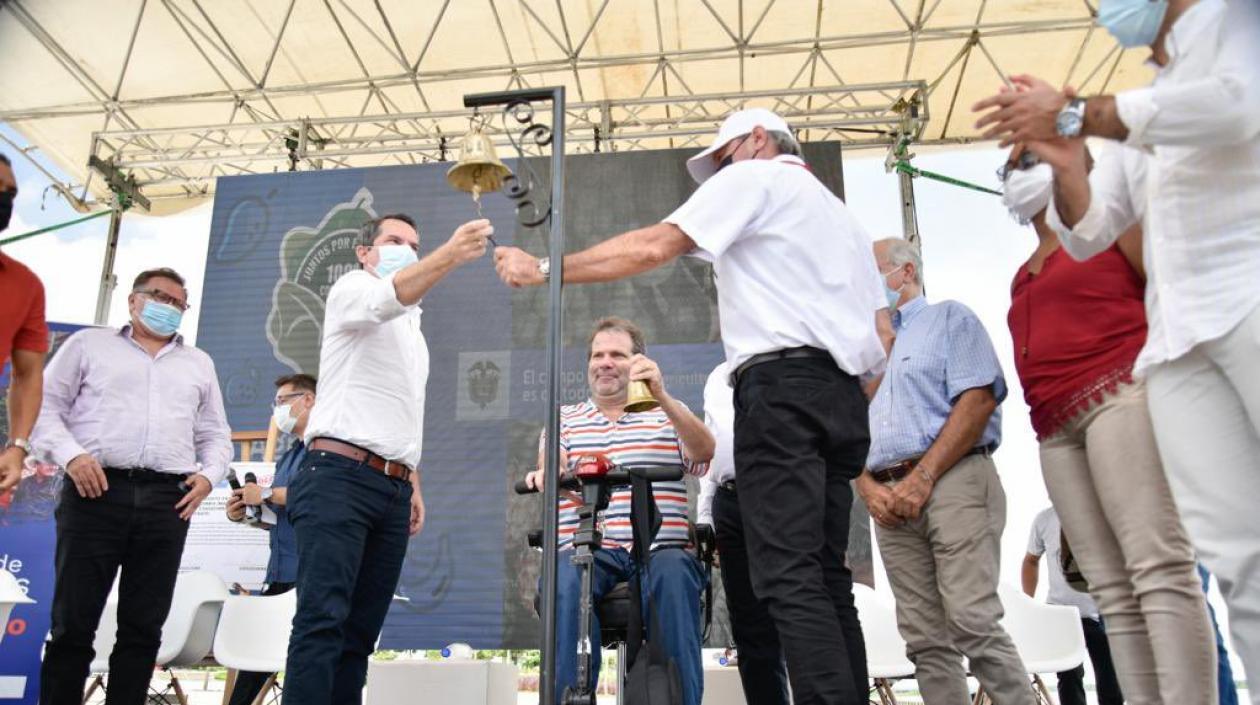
{"x": 639, "y": 397}
{"x": 478, "y": 170}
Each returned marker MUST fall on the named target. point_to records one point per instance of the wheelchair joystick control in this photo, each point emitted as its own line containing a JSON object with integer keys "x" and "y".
{"x": 595, "y": 475}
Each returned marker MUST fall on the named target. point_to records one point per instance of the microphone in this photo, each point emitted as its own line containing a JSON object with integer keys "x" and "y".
{"x": 252, "y": 513}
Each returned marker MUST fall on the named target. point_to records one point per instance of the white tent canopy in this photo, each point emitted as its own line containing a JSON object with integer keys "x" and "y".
{"x": 178, "y": 92}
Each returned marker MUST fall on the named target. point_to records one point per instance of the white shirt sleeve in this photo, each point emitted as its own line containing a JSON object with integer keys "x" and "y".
{"x": 723, "y": 209}
{"x": 714, "y": 394}
{"x": 63, "y": 378}
{"x": 211, "y": 433}
{"x": 1111, "y": 205}
{"x": 360, "y": 298}
{"x": 1219, "y": 107}
{"x": 1036, "y": 537}
{"x": 704, "y": 501}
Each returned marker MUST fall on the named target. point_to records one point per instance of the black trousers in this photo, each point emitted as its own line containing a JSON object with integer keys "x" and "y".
{"x": 801, "y": 436}
{"x": 1072, "y": 683}
{"x": 248, "y": 683}
{"x": 133, "y": 526}
{"x": 761, "y": 667}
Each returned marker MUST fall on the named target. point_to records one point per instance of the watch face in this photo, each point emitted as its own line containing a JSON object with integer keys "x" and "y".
{"x": 1068, "y": 124}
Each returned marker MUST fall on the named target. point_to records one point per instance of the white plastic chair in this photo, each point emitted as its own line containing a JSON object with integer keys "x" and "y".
{"x": 11, "y": 595}
{"x": 187, "y": 633}
{"x": 254, "y": 633}
{"x": 1049, "y": 638}
{"x": 886, "y": 659}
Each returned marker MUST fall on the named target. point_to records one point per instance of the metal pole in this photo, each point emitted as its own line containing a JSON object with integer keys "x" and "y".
{"x": 546, "y": 689}
{"x": 555, "y": 249}
{"x": 108, "y": 279}
{"x": 909, "y": 216}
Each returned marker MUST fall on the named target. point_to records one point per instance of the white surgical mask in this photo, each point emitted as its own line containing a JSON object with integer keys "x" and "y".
{"x": 284, "y": 418}
{"x": 394, "y": 258}
{"x": 1027, "y": 191}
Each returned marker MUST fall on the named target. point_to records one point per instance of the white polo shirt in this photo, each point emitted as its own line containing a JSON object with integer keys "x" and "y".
{"x": 1043, "y": 539}
{"x": 373, "y": 368}
{"x": 794, "y": 267}
{"x": 719, "y": 416}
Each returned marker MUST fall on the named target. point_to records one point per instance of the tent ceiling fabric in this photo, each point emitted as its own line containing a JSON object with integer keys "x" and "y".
{"x": 178, "y": 92}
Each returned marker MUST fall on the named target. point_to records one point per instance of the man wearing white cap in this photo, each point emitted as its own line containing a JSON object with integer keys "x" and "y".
{"x": 800, "y": 299}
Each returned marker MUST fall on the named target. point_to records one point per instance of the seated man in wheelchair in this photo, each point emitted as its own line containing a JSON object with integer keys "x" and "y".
{"x": 667, "y": 434}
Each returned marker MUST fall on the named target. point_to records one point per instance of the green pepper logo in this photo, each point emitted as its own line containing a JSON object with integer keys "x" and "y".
{"x": 311, "y": 260}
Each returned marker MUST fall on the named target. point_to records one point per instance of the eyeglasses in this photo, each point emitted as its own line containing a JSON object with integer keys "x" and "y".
{"x": 1026, "y": 160}
{"x": 283, "y": 399}
{"x": 163, "y": 298}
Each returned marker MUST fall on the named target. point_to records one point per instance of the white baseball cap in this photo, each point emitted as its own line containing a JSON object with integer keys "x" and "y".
{"x": 735, "y": 125}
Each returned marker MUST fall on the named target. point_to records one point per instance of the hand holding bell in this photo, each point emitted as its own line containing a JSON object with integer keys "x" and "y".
{"x": 643, "y": 373}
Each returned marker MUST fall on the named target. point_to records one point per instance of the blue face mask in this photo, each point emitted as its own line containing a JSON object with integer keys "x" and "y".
{"x": 893, "y": 295}
{"x": 1133, "y": 23}
{"x": 161, "y": 319}
{"x": 394, "y": 258}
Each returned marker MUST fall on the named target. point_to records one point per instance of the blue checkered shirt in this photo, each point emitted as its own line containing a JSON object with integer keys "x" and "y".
{"x": 942, "y": 350}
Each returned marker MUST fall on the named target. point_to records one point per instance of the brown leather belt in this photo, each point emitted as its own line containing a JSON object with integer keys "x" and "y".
{"x": 390, "y": 468}
{"x": 897, "y": 471}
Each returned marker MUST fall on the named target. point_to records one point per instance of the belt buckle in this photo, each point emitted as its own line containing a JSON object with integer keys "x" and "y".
{"x": 396, "y": 464}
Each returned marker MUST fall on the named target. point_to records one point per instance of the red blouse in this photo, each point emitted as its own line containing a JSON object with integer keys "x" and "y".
{"x": 1077, "y": 328}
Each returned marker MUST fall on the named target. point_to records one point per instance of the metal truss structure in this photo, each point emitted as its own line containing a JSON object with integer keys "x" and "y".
{"x": 645, "y": 74}
{"x": 191, "y": 157}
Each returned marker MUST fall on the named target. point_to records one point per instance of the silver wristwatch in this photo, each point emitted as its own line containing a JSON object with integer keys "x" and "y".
{"x": 1071, "y": 119}
{"x": 544, "y": 268}
{"x": 21, "y": 443}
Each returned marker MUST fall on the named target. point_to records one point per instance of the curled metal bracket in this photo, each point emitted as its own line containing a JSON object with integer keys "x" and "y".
{"x": 526, "y": 130}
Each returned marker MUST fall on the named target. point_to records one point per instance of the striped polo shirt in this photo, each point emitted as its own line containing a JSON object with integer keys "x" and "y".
{"x": 645, "y": 437}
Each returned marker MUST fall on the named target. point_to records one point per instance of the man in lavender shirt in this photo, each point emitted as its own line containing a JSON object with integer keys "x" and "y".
{"x": 136, "y": 418}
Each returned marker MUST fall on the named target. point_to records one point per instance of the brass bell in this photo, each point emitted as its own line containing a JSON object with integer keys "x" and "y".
{"x": 639, "y": 397}
{"x": 478, "y": 170}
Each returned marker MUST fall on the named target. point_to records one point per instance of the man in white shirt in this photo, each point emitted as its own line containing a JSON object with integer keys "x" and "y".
{"x": 762, "y": 670}
{"x": 799, "y": 299}
{"x": 356, "y": 497}
{"x": 1043, "y": 540}
{"x": 1182, "y": 160}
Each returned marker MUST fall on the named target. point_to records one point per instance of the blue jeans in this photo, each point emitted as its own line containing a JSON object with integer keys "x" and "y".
{"x": 352, "y": 526}
{"x": 674, "y": 581}
{"x": 1224, "y": 672}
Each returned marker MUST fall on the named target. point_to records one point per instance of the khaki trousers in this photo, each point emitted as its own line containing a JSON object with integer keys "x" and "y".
{"x": 1105, "y": 479}
{"x": 943, "y": 568}
{"x": 1205, "y": 406}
